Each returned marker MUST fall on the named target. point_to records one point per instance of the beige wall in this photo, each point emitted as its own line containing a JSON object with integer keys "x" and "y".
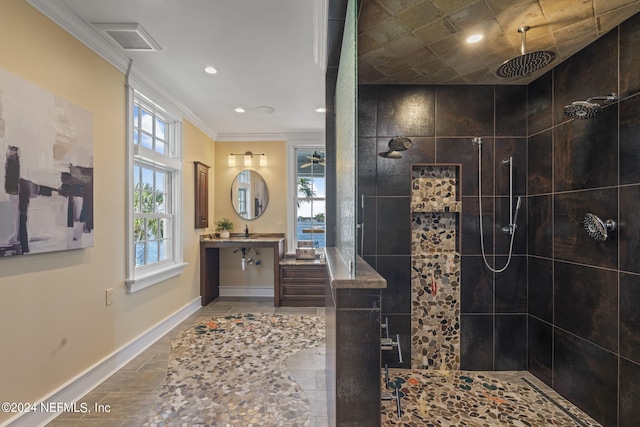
{"x": 274, "y": 218}
{"x": 54, "y": 323}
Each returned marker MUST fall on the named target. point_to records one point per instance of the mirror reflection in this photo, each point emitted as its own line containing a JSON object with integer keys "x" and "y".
{"x": 249, "y": 194}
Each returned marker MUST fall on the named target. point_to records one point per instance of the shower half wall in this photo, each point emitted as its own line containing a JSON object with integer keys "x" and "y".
{"x": 441, "y": 121}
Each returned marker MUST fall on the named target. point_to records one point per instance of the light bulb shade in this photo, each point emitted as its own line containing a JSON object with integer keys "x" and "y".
{"x": 263, "y": 160}
{"x": 231, "y": 161}
{"x": 247, "y": 159}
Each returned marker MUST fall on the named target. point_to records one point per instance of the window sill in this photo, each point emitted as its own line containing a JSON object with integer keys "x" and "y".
{"x": 151, "y": 278}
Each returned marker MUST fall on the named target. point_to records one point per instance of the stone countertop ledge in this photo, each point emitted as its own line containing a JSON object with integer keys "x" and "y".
{"x": 291, "y": 260}
{"x": 240, "y": 237}
{"x": 340, "y": 278}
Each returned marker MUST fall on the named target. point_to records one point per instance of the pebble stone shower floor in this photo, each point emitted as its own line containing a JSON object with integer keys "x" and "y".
{"x": 477, "y": 399}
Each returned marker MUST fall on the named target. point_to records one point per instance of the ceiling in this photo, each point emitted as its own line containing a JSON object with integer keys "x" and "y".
{"x": 267, "y": 53}
{"x": 272, "y": 53}
{"x": 424, "y": 41}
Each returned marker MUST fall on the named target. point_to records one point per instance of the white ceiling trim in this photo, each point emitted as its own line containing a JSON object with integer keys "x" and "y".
{"x": 320, "y": 19}
{"x": 60, "y": 14}
{"x": 298, "y": 138}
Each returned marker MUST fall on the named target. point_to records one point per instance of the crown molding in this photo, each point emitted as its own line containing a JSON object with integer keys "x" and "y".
{"x": 64, "y": 17}
{"x": 300, "y": 139}
{"x": 60, "y": 14}
{"x": 250, "y": 137}
{"x": 320, "y": 20}
{"x": 295, "y": 138}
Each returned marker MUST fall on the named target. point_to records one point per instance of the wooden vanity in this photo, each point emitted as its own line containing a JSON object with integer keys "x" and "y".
{"x": 302, "y": 283}
{"x": 210, "y": 260}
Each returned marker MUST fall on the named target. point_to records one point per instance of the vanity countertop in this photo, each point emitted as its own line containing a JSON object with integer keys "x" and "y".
{"x": 240, "y": 238}
{"x": 291, "y": 260}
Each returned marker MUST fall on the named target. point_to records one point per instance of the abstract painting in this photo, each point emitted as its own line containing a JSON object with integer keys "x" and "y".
{"x": 46, "y": 147}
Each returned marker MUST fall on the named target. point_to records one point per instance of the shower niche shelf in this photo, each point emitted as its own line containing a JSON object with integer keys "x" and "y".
{"x": 435, "y": 188}
{"x": 442, "y": 207}
{"x": 435, "y": 266}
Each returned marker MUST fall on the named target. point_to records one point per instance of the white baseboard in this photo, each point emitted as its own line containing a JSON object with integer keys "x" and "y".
{"x": 86, "y": 381}
{"x": 246, "y": 291}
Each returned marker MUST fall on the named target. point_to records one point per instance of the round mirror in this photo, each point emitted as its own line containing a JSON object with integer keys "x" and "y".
{"x": 249, "y": 194}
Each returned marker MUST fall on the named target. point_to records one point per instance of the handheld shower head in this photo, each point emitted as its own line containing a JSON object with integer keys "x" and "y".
{"x": 597, "y": 228}
{"x": 588, "y": 109}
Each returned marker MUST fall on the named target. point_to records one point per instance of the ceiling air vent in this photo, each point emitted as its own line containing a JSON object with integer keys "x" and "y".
{"x": 130, "y": 36}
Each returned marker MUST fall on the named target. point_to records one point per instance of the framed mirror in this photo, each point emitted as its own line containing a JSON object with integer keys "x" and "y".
{"x": 249, "y": 194}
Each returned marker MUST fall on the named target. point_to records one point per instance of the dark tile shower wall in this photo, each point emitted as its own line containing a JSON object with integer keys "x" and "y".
{"x": 568, "y": 309}
{"x": 583, "y": 294}
{"x": 441, "y": 121}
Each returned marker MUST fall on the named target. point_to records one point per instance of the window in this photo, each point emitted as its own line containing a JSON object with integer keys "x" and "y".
{"x": 151, "y": 219}
{"x": 155, "y": 246}
{"x": 310, "y": 206}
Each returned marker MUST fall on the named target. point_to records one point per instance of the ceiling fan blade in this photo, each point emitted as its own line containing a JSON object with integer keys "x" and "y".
{"x": 306, "y": 165}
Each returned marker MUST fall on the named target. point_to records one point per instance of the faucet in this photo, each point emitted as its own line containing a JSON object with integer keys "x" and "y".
{"x": 246, "y": 230}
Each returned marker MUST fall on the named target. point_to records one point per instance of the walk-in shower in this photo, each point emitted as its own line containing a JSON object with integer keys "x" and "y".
{"x": 588, "y": 109}
{"x": 513, "y": 215}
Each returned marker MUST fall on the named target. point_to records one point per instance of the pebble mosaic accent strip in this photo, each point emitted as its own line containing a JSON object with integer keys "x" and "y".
{"x": 472, "y": 399}
{"x": 435, "y": 311}
{"x": 435, "y": 268}
{"x": 433, "y": 232}
{"x": 231, "y": 371}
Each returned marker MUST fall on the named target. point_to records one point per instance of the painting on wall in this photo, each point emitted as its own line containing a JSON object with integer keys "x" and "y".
{"x": 46, "y": 147}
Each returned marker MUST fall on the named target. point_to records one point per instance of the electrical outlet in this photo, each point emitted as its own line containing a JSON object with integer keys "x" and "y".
{"x": 109, "y": 296}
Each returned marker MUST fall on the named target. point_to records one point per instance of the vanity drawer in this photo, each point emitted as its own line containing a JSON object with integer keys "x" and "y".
{"x": 298, "y": 272}
{"x": 302, "y": 285}
{"x": 306, "y": 290}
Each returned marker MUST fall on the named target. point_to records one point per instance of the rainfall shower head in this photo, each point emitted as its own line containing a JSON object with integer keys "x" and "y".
{"x": 526, "y": 63}
{"x": 588, "y": 109}
{"x": 399, "y": 143}
{"x": 597, "y": 228}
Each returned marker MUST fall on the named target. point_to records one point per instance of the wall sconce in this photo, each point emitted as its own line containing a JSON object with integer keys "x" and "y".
{"x": 248, "y": 159}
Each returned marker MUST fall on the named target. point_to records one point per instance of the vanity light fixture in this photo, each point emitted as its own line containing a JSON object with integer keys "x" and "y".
{"x": 248, "y": 159}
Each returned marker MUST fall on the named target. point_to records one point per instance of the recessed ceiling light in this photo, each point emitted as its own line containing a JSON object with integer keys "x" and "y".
{"x": 321, "y": 110}
{"x": 264, "y": 109}
{"x": 210, "y": 70}
{"x": 475, "y": 38}
{"x": 239, "y": 110}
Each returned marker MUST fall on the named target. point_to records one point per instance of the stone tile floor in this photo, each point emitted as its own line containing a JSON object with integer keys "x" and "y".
{"x": 132, "y": 391}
